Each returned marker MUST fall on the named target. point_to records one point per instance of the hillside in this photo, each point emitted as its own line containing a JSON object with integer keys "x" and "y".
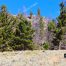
{"x": 36, "y": 26}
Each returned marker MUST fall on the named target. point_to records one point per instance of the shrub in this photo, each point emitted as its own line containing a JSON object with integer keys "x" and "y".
{"x": 46, "y": 45}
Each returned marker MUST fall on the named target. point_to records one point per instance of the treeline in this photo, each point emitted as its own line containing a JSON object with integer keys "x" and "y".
{"x": 16, "y": 32}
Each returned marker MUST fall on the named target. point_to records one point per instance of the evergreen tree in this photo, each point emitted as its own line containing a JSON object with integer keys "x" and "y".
{"x": 31, "y": 14}
{"x": 61, "y": 26}
{"x": 41, "y": 25}
{"x": 22, "y": 38}
{"x": 3, "y": 23}
{"x": 51, "y": 26}
{"x": 62, "y": 16}
{"x": 3, "y": 15}
{"x": 16, "y": 32}
{"x": 38, "y": 12}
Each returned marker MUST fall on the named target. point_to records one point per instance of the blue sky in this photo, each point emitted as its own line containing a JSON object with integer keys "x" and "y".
{"x": 49, "y": 8}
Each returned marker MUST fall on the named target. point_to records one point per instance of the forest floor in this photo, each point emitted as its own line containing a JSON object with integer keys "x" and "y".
{"x": 33, "y": 58}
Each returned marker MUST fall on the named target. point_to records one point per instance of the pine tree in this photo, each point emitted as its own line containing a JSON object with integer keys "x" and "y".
{"x": 51, "y": 26}
{"x": 3, "y": 23}
{"x": 31, "y": 14}
{"x": 16, "y": 32}
{"x": 38, "y": 12}
{"x": 61, "y": 27}
{"x": 41, "y": 25}
{"x": 22, "y": 38}
{"x": 3, "y": 15}
{"x": 62, "y": 16}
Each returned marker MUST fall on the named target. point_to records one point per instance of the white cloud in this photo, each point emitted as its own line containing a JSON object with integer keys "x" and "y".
{"x": 30, "y": 7}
